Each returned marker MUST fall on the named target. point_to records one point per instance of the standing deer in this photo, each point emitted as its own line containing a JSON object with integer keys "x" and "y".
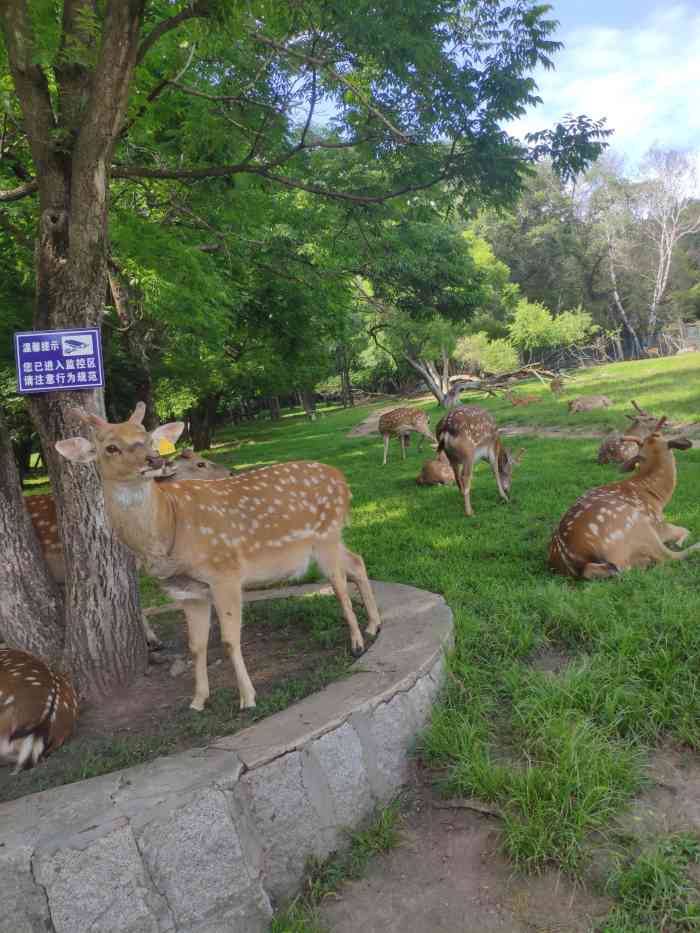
{"x": 556, "y": 385}
{"x": 588, "y": 403}
{"x": 615, "y": 449}
{"x": 42, "y": 511}
{"x": 621, "y": 525}
{"x": 437, "y": 472}
{"x": 469, "y": 434}
{"x": 38, "y": 708}
{"x": 205, "y": 541}
{"x": 400, "y": 423}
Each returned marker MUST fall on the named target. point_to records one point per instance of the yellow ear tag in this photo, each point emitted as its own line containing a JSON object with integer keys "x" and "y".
{"x": 165, "y": 447}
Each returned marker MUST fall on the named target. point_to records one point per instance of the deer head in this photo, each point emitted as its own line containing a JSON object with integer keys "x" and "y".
{"x": 654, "y": 450}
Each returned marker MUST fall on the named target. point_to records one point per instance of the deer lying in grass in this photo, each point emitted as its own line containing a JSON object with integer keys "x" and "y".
{"x": 437, "y": 472}
{"x": 38, "y": 708}
{"x": 588, "y": 403}
{"x": 42, "y": 511}
{"x": 469, "y": 434}
{"x": 615, "y": 449}
{"x": 520, "y": 399}
{"x": 621, "y": 525}
{"x": 205, "y": 541}
{"x": 400, "y": 423}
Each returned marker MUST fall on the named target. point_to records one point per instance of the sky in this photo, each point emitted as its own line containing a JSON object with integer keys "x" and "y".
{"x": 635, "y": 62}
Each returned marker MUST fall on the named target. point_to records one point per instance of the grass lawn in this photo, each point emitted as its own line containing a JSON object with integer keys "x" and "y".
{"x": 562, "y": 754}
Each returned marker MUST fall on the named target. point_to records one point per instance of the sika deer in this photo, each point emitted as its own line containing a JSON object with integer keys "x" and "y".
{"x": 556, "y": 385}
{"x": 614, "y": 449}
{"x": 520, "y": 399}
{"x": 469, "y": 434}
{"x": 42, "y": 511}
{"x": 38, "y": 708}
{"x": 621, "y": 525}
{"x": 400, "y": 423}
{"x": 588, "y": 403}
{"x": 205, "y": 541}
{"x": 437, "y": 472}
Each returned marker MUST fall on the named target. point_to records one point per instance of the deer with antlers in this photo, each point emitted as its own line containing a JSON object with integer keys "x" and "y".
{"x": 614, "y": 449}
{"x": 42, "y": 511}
{"x": 621, "y": 525}
{"x": 469, "y": 434}
{"x": 205, "y": 541}
{"x": 38, "y": 709}
{"x": 400, "y": 423}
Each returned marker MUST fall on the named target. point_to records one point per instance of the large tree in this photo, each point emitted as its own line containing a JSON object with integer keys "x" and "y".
{"x": 202, "y": 92}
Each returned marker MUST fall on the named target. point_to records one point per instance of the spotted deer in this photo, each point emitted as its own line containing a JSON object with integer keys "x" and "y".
{"x": 205, "y": 540}
{"x": 38, "y": 709}
{"x": 556, "y": 385}
{"x": 469, "y": 434}
{"x": 520, "y": 399}
{"x": 621, "y": 525}
{"x": 614, "y": 449}
{"x": 588, "y": 403}
{"x": 400, "y": 423}
{"x": 42, "y": 511}
{"x": 437, "y": 472}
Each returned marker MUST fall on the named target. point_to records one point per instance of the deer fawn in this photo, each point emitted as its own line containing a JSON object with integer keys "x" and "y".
{"x": 400, "y": 423}
{"x": 588, "y": 403}
{"x": 205, "y": 541}
{"x": 621, "y": 525}
{"x": 469, "y": 434}
{"x": 38, "y": 708}
{"x": 520, "y": 399}
{"x": 42, "y": 511}
{"x": 437, "y": 472}
{"x": 614, "y": 449}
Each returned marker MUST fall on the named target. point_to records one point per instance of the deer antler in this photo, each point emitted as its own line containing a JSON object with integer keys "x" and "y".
{"x": 659, "y": 424}
{"x": 644, "y": 414}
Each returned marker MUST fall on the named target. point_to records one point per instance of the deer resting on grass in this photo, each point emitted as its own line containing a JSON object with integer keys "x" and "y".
{"x": 400, "y": 423}
{"x": 38, "y": 709}
{"x": 615, "y": 449}
{"x": 42, "y": 511}
{"x": 588, "y": 403}
{"x": 469, "y": 434}
{"x": 520, "y": 399}
{"x": 205, "y": 540}
{"x": 621, "y": 525}
{"x": 437, "y": 472}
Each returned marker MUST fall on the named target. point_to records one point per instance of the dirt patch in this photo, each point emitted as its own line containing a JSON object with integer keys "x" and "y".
{"x": 292, "y": 647}
{"x": 550, "y": 661}
{"x": 672, "y": 801}
{"x": 448, "y": 875}
{"x": 371, "y": 423}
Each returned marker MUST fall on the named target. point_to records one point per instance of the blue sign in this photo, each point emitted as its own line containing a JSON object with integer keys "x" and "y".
{"x": 59, "y": 360}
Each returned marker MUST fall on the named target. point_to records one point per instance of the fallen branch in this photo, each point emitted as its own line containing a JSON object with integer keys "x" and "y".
{"x": 468, "y": 803}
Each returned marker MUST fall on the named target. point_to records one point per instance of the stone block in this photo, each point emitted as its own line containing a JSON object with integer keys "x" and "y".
{"x": 195, "y": 858}
{"x": 101, "y": 885}
{"x": 23, "y": 906}
{"x": 339, "y": 755}
{"x": 387, "y": 733}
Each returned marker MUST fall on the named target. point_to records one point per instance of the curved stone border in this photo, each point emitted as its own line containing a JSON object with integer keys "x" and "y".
{"x": 208, "y": 840}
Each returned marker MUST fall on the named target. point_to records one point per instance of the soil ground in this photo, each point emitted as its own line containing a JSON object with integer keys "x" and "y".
{"x": 448, "y": 876}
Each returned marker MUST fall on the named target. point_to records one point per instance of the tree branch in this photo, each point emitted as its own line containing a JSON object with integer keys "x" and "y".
{"x": 197, "y": 10}
{"x": 16, "y": 194}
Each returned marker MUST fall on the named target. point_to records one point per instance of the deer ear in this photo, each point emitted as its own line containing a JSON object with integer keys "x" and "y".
{"x": 94, "y": 420}
{"x": 630, "y": 464}
{"x": 187, "y": 454}
{"x": 76, "y": 449}
{"x": 136, "y": 417}
{"x": 168, "y": 432}
{"x": 679, "y": 443}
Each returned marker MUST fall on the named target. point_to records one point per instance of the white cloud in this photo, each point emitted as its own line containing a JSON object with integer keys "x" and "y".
{"x": 645, "y": 79}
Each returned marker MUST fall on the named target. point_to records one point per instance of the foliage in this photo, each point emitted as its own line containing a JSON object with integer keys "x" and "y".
{"x": 493, "y": 356}
{"x": 533, "y": 327}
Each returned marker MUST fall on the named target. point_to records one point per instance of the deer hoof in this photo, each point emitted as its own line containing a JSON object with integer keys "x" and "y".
{"x": 197, "y": 705}
{"x": 357, "y": 650}
{"x": 247, "y": 704}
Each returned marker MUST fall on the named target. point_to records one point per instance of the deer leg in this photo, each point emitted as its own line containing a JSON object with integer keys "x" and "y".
{"x": 501, "y": 491}
{"x": 355, "y": 569}
{"x": 227, "y": 599}
{"x": 465, "y": 487}
{"x": 599, "y": 571}
{"x": 330, "y": 559}
{"x": 402, "y": 440}
{"x": 420, "y": 442}
{"x": 673, "y": 534}
{"x": 151, "y": 638}
{"x": 386, "y": 448}
{"x": 198, "y": 615}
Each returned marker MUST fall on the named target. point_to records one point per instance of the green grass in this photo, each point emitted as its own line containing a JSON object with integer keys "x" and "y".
{"x": 324, "y": 879}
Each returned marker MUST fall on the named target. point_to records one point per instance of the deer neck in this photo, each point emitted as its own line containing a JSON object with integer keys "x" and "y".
{"x": 658, "y": 478}
{"x": 141, "y": 516}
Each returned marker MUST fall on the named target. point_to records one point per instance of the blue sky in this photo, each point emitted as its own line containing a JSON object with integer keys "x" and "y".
{"x": 633, "y": 61}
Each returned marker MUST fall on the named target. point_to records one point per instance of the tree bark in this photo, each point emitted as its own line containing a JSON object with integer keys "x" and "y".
{"x": 309, "y": 402}
{"x": 274, "y": 408}
{"x": 31, "y": 608}
{"x": 203, "y": 422}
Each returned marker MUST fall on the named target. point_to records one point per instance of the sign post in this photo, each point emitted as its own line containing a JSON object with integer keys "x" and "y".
{"x": 58, "y": 360}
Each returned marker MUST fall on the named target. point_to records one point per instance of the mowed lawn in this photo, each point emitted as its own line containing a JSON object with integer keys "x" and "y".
{"x": 561, "y": 754}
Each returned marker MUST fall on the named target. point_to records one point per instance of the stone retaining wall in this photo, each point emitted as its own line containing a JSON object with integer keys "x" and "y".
{"x": 210, "y": 840}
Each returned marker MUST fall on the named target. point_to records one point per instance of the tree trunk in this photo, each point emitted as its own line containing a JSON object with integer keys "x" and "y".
{"x": 309, "y": 401}
{"x": 274, "y": 407}
{"x": 31, "y": 608}
{"x": 439, "y": 384}
{"x": 203, "y": 422}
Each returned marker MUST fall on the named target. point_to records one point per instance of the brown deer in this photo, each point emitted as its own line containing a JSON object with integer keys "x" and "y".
{"x": 621, "y": 525}
{"x": 38, "y": 708}
{"x": 469, "y": 434}
{"x": 42, "y": 511}
{"x": 400, "y": 423}
{"x": 520, "y": 399}
{"x": 614, "y": 449}
{"x": 437, "y": 472}
{"x": 588, "y": 403}
{"x": 205, "y": 541}
{"x": 556, "y": 385}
